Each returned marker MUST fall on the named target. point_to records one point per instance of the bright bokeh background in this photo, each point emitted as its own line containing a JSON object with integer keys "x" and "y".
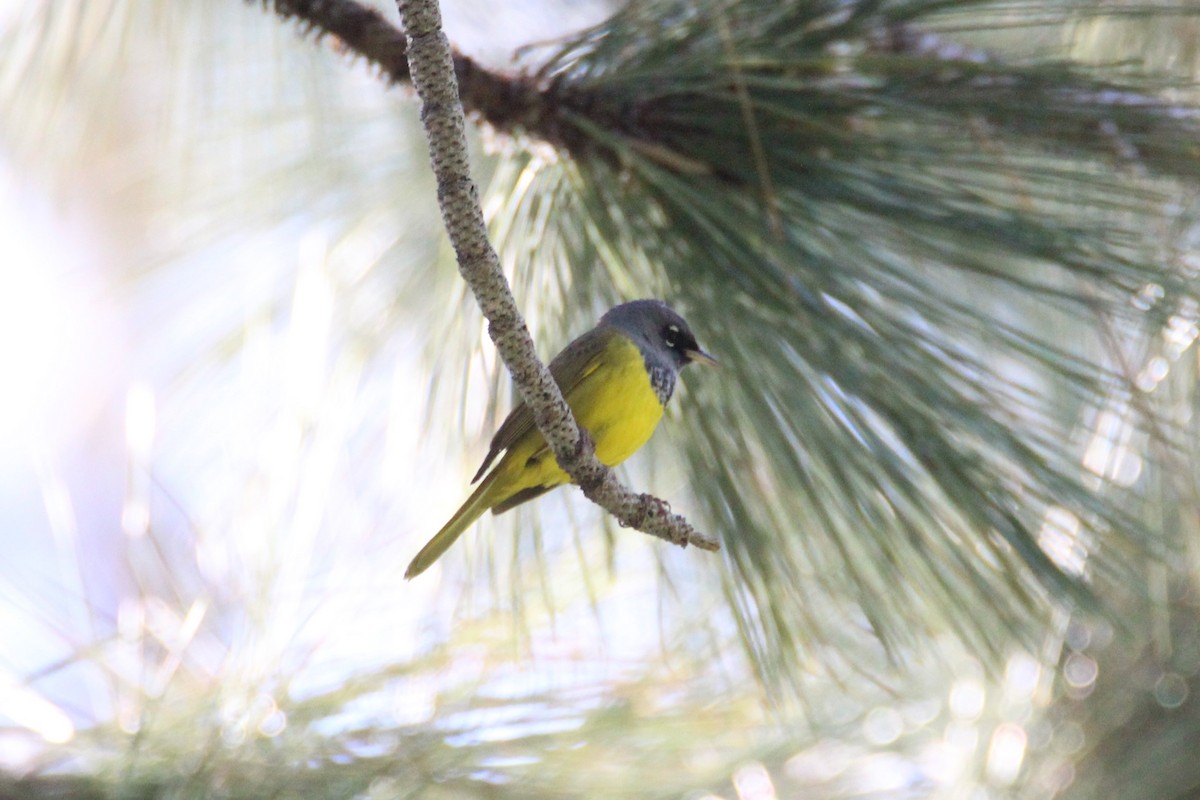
{"x": 218, "y": 453}
{"x": 224, "y": 299}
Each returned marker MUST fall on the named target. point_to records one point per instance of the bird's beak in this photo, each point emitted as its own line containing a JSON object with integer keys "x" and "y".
{"x": 701, "y": 357}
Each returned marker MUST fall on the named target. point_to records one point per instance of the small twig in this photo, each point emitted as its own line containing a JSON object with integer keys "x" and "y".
{"x": 432, "y": 69}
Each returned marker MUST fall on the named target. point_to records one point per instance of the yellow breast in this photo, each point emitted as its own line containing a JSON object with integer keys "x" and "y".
{"x": 614, "y": 402}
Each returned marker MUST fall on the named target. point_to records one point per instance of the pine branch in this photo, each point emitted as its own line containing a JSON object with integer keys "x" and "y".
{"x": 558, "y": 104}
{"x": 432, "y": 69}
{"x": 942, "y": 208}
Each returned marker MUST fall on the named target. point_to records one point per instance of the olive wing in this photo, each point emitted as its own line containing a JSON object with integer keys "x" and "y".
{"x": 576, "y": 361}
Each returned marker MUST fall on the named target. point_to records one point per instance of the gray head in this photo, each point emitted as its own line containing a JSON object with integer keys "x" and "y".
{"x": 664, "y": 338}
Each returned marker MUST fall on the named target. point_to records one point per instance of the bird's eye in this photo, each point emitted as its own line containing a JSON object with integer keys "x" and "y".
{"x": 671, "y": 335}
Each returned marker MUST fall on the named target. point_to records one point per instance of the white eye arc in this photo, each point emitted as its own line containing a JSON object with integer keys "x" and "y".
{"x": 671, "y": 335}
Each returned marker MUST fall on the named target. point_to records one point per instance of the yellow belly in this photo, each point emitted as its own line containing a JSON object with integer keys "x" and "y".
{"x": 615, "y": 403}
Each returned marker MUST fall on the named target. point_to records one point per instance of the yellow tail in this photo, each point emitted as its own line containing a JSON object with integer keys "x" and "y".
{"x": 473, "y": 509}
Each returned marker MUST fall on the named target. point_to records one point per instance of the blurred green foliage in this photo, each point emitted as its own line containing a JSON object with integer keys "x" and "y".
{"x": 944, "y": 253}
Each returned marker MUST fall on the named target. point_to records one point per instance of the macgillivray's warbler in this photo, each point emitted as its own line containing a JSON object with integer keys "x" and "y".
{"x": 617, "y": 378}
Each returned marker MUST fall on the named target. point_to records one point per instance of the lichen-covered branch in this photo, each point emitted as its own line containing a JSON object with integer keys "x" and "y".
{"x": 432, "y": 70}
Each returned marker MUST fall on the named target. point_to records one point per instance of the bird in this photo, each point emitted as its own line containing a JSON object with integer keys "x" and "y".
{"x": 617, "y": 379}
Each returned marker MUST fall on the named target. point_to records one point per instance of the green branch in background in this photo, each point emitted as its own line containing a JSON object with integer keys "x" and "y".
{"x": 948, "y": 271}
{"x": 915, "y": 350}
{"x": 914, "y": 255}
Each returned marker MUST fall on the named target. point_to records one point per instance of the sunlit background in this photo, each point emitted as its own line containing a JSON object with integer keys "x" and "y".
{"x": 230, "y": 412}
